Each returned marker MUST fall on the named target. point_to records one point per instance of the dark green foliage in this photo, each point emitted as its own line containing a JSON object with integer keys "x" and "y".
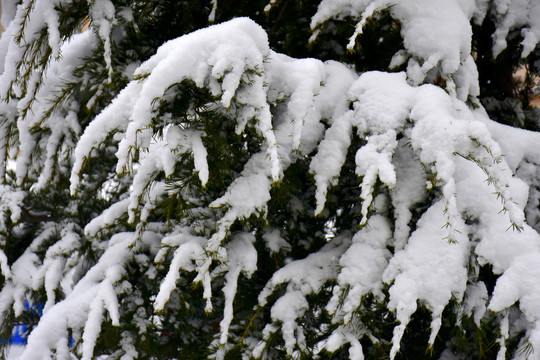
{"x": 503, "y": 94}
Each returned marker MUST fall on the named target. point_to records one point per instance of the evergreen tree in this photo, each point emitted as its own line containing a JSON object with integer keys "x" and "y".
{"x": 293, "y": 179}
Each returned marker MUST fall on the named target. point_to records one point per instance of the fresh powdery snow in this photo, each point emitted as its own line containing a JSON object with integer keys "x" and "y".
{"x": 421, "y": 144}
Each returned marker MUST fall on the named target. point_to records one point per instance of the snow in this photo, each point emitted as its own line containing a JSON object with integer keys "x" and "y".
{"x": 84, "y": 307}
{"x": 61, "y": 128}
{"x": 513, "y": 15}
{"x": 424, "y": 23}
{"x": 14, "y": 352}
{"x": 189, "y": 140}
{"x": 302, "y": 79}
{"x": 189, "y": 249}
{"x": 410, "y": 189}
{"x": 9, "y": 9}
{"x": 340, "y": 337}
{"x": 112, "y": 118}
{"x": 102, "y": 14}
{"x": 108, "y": 217}
{"x": 441, "y": 17}
{"x": 475, "y": 302}
{"x": 12, "y": 202}
{"x": 286, "y": 310}
{"x": 222, "y": 60}
{"x": 241, "y": 258}
{"x": 429, "y": 269}
{"x": 274, "y": 242}
{"x": 326, "y": 165}
{"x": 321, "y": 266}
{"x": 362, "y": 267}
{"x": 421, "y": 145}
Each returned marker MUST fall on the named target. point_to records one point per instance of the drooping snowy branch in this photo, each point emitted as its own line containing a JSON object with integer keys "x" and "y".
{"x": 423, "y": 50}
{"x": 53, "y": 132}
{"x": 82, "y": 310}
{"x": 512, "y": 15}
{"x": 424, "y": 23}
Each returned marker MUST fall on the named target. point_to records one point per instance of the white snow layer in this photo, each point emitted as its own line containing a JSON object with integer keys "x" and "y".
{"x": 450, "y": 149}
{"x": 424, "y": 22}
{"x": 84, "y": 306}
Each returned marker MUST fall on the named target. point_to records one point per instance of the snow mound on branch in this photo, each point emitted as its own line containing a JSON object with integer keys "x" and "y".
{"x": 214, "y": 57}
{"x": 321, "y": 266}
{"x": 423, "y": 24}
{"x": 511, "y": 15}
{"x": 429, "y": 269}
{"x": 362, "y": 267}
{"x": 218, "y": 58}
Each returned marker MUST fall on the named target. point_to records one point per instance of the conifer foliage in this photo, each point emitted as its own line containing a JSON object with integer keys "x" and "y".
{"x": 219, "y": 179}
